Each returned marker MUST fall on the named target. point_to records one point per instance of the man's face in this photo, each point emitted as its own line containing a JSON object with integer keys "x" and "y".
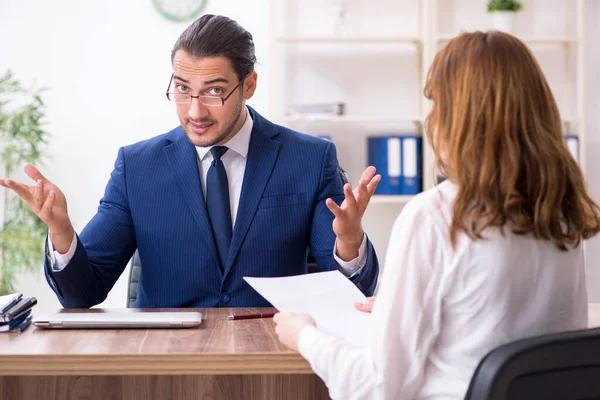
{"x": 205, "y": 125}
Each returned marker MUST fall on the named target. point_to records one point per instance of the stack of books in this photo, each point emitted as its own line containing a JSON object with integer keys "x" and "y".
{"x": 15, "y": 312}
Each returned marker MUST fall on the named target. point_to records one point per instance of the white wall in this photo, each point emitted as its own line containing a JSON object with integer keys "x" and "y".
{"x": 107, "y": 65}
{"x": 592, "y": 110}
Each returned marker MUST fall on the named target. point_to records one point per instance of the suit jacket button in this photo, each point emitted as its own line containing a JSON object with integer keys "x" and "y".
{"x": 225, "y": 298}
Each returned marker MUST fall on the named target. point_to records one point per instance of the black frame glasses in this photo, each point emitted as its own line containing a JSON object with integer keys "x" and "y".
{"x": 209, "y": 101}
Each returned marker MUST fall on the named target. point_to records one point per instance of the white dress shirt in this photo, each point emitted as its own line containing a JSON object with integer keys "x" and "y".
{"x": 234, "y": 161}
{"x": 439, "y": 311}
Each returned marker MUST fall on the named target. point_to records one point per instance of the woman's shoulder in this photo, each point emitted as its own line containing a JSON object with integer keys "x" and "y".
{"x": 434, "y": 203}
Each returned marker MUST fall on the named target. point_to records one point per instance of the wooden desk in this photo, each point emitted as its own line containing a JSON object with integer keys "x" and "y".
{"x": 219, "y": 360}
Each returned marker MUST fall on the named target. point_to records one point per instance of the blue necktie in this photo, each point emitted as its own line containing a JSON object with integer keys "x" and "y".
{"x": 217, "y": 203}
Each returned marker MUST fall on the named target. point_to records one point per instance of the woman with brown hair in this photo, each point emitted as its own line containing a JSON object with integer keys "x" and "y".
{"x": 491, "y": 255}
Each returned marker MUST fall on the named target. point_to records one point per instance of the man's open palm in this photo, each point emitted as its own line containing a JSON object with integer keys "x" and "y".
{"x": 348, "y": 215}
{"x": 44, "y": 198}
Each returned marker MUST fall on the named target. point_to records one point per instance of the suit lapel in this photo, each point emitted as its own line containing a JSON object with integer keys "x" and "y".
{"x": 262, "y": 155}
{"x": 183, "y": 160}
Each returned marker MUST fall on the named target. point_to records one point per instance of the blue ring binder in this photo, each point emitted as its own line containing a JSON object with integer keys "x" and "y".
{"x": 398, "y": 160}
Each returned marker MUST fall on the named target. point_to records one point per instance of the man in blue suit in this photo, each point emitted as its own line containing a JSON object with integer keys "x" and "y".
{"x": 226, "y": 194}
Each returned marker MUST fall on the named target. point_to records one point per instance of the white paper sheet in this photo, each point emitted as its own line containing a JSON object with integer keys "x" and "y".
{"x": 328, "y": 297}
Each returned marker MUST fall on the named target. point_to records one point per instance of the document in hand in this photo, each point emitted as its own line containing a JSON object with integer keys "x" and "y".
{"x": 328, "y": 297}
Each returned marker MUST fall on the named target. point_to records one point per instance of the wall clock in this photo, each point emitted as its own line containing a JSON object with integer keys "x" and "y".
{"x": 179, "y": 10}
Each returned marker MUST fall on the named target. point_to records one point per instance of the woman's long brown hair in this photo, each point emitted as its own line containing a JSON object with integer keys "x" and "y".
{"x": 496, "y": 133}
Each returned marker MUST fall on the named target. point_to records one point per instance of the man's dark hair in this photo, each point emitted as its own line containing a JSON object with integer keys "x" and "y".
{"x": 217, "y": 35}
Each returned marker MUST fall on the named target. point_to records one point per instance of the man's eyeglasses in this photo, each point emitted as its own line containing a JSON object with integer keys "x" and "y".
{"x": 210, "y": 101}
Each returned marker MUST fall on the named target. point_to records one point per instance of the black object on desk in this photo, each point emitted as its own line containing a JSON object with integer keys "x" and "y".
{"x": 22, "y": 305}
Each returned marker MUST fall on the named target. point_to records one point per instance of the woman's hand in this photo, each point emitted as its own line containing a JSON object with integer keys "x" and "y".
{"x": 289, "y": 325}
{"x": 366, "y": 307}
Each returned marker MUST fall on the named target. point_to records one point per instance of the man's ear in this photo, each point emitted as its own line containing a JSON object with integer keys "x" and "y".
{"x": 250, "y": 85}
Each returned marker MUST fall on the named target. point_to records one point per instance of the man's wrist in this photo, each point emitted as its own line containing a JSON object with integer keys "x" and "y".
{"x": 61, "y": 239}
{"x": 347, "y": 247}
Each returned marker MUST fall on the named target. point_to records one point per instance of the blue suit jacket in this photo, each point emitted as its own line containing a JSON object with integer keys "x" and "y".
{"x": 154, "y": 202}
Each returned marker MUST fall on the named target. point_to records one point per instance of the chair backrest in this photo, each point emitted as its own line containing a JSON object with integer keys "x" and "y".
{"x": 134, "y": 278}
{"x": 311, "y": 263}
{"x": 136, "y": 266}
{"x": 550, "y": 367}
{"x": 343, "y": 175}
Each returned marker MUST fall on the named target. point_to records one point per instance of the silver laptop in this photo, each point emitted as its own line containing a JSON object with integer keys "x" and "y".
{"x": 114, "y": 320}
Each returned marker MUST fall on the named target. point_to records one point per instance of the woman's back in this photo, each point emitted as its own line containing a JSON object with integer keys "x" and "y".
{"x": 490, "y": 292}
{"x": 492, "y": 255}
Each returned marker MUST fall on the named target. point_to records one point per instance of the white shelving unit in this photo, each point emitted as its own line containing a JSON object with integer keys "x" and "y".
{"x": 530, "y": 39}
{"x": 573, "y": 39}
{"x": 341, "y": 119}
{"x": 337, "y": 122}
{"x": 390, "y": 199}
{"x": 356, "y": 40}
{"x": 423, "y": 45}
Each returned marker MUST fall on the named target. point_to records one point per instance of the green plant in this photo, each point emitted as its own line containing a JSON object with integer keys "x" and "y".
{"x": 504, "y": 5}
{"x": 22, "y": 140}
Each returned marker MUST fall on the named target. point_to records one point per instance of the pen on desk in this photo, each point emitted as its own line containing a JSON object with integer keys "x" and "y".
{"x": 250, "y": 316}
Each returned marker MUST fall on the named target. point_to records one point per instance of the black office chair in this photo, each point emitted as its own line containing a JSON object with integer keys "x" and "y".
{"x": 551, "y": 367}
{"x": 136, "y": 266}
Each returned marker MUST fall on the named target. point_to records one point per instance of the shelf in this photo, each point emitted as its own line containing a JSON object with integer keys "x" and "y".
{"x": 357, "y": 40}
{"x": 350, "y": 119}
{"x": 390, "y": 199}
{"x": 529, "y": 39}
{"x": 379, "y": 45}
{"x": 570, "y": 121}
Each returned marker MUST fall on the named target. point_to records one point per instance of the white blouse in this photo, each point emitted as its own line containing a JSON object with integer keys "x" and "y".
{"x": 439, "y": 311}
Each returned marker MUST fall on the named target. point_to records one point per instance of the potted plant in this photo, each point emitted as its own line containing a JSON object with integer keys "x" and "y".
{"x": 22, "y": 140}
{"x": 504, "y": 13}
